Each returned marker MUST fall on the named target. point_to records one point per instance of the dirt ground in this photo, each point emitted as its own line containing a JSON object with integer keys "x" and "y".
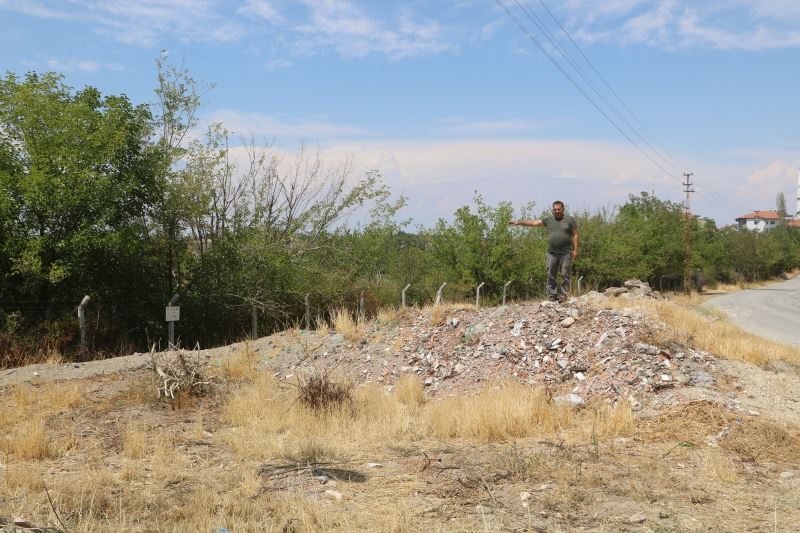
{"x": 91, "y": 447}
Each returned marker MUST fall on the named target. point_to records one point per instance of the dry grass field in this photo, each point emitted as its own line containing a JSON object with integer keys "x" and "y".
{"x": 105, "y": 454}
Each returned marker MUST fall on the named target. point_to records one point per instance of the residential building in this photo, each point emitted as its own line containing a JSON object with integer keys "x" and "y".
{"x": 759, "y": 220}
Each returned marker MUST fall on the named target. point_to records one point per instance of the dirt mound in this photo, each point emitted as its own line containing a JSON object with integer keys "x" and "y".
{"x": 579, "y": 349}
{"x": 575, "y": 349}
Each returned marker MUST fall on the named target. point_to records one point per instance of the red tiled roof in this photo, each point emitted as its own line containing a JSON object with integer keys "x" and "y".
{"x": 794, "y": 223}
{"x": 764, "y": 215}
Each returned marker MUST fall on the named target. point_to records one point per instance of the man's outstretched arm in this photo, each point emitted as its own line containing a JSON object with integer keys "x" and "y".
{"x": 530, "y": 223}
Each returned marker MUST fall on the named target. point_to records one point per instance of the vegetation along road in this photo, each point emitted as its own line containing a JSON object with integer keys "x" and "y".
{"x": 772, "y": 311}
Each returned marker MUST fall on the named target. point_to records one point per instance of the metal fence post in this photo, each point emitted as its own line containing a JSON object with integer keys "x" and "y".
{"x": 478, "y": 294}
{"x": 171, "y": 323}
{"x": 505, "y": 287}
{"x": 439, "y": 294}
{"x": 82, "y": 319}
{"x": 580, "y": 290}
{"x": 403, "y": 295}
{"x": 308, "y": 312}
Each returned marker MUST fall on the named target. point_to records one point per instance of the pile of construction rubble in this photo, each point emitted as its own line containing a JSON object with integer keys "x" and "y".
{"x": 581, "y": 348}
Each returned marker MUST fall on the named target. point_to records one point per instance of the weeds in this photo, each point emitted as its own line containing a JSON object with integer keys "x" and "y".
{"x": 344, "y": 323}
{"x": 319, "y": 393}
{"x": 688, "y": 325}
{"x": 179, "y": 375}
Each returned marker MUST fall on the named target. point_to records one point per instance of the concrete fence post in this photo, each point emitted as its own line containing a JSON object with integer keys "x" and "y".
{"x": 505, "y": 288}
{"x": 478, "y": 294}
{"x": 173, "y": 315}
{"x": 580, "y": 288}
{"x": 82, "y": 319}
{"x": 254, "y": 323}
{"x": 439, "y": 294}
{"x": 361, "y": 303}
{"x": 308, "y": 311}
{"x": 403, "y": 295}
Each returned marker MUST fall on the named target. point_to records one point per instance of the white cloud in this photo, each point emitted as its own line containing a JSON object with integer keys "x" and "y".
{"x": 670, "y": 24}
{"x": 277, "y": 64}
{"x": 141, "y": 22}
{"x": 350, "y": 31}
{"x": 308, "y": 27}
{"x": 35, "y": 9}
{"x": 285, "y": 130}
{"x": 438, "y": 175}
{"x": 489, "y": 127}
{"x": 73, "y": 65}
{"x": 453, "y": 161}
{"x": 262, "y": 9}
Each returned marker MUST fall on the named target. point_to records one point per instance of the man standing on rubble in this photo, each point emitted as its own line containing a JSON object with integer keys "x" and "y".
{"x": 562, "y": 247}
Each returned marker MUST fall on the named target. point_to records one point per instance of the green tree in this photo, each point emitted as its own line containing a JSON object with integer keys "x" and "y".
{"x": 77, "y": 182}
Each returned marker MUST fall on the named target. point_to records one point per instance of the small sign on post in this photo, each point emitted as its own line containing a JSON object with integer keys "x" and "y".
{"x": 173, "y": 313}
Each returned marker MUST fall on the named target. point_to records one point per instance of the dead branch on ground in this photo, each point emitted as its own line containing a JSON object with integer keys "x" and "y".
{"x": 179, "y": 371}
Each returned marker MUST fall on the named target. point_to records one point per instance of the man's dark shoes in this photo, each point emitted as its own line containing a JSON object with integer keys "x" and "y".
{"x": 552, "y": 298}
{"x": 562, "y": 298}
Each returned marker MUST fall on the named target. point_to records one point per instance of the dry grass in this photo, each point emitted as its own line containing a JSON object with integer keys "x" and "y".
{"x": 322, "y": 326}
{"x": 267, "y": 420}
{"x": 719, "y": 466}
{"x": 748, "y": 438}
{"x": 134, "y": 441}
{"x": 511, "y": 410}
{"x": 708, "y": 330}
{"x": 28, "y": 440}
{"x": 497, "y": 413}
{"x": 344, "y": 323}
{"x": 388, "y": 316}
{"x": 410, "y": 391}
{"x": 242, "y": 366}
{"x": 168, "y": 483}
{"x": 438, "y": 312}
{"x": 24, "y": 412}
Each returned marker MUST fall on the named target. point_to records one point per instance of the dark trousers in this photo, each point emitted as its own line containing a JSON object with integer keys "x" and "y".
{"x": 556, "y": 263}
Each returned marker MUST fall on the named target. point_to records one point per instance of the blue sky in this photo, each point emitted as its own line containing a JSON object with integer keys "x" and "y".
{"x": 445, "y": 97}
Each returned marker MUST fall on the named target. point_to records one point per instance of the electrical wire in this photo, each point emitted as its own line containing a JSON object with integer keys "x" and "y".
{"x": 555, "y": 63}
{"x": 540, "y": 24}
{"x": 669, "y": 159}
{"x": 610, "y": 88}
{"x": 668, "y": 154}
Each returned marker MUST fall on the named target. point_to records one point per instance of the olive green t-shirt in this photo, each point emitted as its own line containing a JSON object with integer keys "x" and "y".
{"x": 559, "y": 233}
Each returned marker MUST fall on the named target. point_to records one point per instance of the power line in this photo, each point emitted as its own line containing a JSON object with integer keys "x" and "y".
{"x": 608, "y": 86}
{"x": 540, "y": 24}
{"x": 729, "y": 203}
{"x": 537, "y": 21}
{"x": 555, "y": 63}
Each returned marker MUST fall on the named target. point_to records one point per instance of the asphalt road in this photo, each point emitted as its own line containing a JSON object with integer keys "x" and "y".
{"x": 772, "y": 312}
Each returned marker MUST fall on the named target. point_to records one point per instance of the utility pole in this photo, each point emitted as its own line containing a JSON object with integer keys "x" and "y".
{"x": 687, "y": 233}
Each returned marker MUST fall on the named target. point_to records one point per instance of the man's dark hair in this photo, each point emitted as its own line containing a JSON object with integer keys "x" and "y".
{"x": 559, "y": 202}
